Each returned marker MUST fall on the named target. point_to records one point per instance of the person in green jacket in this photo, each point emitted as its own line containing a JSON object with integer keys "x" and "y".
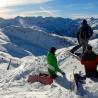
{"x": 52, "y": 63}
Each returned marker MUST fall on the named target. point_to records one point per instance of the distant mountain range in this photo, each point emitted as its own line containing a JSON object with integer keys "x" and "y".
{"x": 60, "y": 26}
{"x": 23, "y": 36}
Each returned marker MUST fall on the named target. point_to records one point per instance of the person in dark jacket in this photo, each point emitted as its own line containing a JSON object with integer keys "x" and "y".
{"x": 83, "y": 35}
{"x": 90, "y": 61}
{"x": 53, "y": 67}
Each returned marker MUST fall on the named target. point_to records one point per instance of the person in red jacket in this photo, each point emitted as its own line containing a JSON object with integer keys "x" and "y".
{"x": 90, "y": 61}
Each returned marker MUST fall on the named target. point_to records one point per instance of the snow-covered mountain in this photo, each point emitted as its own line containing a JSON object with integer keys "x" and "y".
{"x": 24, "y": 43}
{"x": 35, "y": 35}
{"x": 61, "y": 26}
{"x": 32, "y": 41}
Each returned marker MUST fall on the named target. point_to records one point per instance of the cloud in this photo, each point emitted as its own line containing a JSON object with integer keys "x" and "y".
{"x": 7, "y": 13}
{"x": 5, "y": 3}
{"x": 49, "y": 12}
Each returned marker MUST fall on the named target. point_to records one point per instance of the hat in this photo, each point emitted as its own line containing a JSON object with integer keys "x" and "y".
{"x": 84, "y": 22}
{"x": 52, "y": 49}
{"x": 89, "y": 47}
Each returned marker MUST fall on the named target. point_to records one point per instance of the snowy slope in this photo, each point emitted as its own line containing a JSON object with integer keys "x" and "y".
{"x": 20, "y": 41}
{"x": 26, "y": 46}
{"x": 13, "y": 83}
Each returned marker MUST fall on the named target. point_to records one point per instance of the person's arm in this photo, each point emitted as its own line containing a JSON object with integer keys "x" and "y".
{"x": 56, "y": 66}
{"x": 97, "y": 60}
{"x": 78, "y": 36}
{"x": 78, "y": 32}
{"x": 91, "y": 31}
{"x": 82, "y": 61}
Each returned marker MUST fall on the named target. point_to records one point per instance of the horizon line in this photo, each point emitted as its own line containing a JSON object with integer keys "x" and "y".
{"x": 50, "y": 16}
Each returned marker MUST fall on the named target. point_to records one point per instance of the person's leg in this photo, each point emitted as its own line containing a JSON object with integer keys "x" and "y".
{"x": 88, "y": 75}
{"x": 79, "y": 77}
{"x": 52, "y": 74}
{"x": 75, "y": 48}
{"x": 95, "y": 73}
{"x": 85, "y": 44}
{"x": 80, "y": 41}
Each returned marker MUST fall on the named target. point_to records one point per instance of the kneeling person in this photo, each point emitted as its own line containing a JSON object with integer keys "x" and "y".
{"x": 90, "y": 60}
{"x": 52, "y": 63}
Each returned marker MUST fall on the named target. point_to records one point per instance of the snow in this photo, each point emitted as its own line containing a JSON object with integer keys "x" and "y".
{"x": 13, "y": 82}
{"x": 25, "y": 48}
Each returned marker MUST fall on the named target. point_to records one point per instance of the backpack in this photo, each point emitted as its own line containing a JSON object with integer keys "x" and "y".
{"x": 85, "y": 32}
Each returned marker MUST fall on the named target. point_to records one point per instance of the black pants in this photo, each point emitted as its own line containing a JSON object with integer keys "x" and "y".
{"x": 93, "y": 73}
{"x": 79, "y": 77}
{"x": 82, "y": 43}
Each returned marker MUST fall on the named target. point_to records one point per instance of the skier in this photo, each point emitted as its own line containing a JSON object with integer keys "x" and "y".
{"x": 83, "y": 35}
{"x": 90, "y": 60}
{"x": 52, "y": 63}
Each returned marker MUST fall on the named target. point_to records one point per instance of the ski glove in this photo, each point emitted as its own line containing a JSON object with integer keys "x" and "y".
{"x": 63, "y": 73}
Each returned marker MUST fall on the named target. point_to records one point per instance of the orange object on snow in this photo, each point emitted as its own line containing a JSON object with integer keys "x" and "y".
{"x": 32, "y": 78}
{"x": 45, "y": 79}
{"x": 42, "y": 78}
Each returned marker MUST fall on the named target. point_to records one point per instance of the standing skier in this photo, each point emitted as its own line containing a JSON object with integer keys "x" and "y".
{"x": 52, "y": 63}
{"x": 90, "y": 62}
{"x": 83, "y": 35}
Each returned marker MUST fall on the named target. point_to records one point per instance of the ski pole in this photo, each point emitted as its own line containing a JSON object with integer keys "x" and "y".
{"x": 9, "y": 65}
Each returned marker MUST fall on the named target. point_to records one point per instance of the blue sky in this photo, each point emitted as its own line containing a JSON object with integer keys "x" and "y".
{"x": 55, "y": 8}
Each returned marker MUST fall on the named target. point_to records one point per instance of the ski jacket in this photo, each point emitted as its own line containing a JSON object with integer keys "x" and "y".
{"x": 90, "y": 61}
{"x": 84, "y": 32}
{"x": 52, "y": 64}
